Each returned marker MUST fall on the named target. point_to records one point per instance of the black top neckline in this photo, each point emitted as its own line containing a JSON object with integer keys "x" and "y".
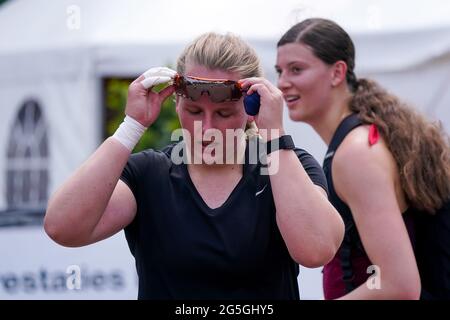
{"x": 200, "y": 199}
{"x": 181, "y": 172}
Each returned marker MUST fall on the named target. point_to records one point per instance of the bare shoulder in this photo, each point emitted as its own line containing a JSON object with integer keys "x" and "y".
{"x": 355, "y": 150}
{"x": 357, "y": 165}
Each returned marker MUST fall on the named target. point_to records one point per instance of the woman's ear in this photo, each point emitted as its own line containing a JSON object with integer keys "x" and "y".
{"x": 339, "y": 73}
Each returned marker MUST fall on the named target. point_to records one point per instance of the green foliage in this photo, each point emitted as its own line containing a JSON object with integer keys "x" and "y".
{"x": 158, "y": 135}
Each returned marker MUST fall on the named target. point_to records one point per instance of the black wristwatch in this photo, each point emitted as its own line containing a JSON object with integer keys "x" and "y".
{"x": 282, "y": 143}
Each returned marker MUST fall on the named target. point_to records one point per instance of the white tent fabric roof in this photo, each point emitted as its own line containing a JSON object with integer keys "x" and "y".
{"x": 123, "y": 38}
{"x": 109, "y": 26}
{"x": 400, "y": 50}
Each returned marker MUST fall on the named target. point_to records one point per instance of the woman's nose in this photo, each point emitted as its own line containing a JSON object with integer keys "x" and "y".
{"x": 283, "y": 82}
{"x": 207, "y": 122}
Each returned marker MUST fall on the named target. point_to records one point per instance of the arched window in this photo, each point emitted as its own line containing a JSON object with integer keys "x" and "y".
{"x": 27, "y": 175}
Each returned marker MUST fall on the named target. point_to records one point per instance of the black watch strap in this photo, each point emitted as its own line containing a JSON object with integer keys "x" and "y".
{"x": 282, "y": 143}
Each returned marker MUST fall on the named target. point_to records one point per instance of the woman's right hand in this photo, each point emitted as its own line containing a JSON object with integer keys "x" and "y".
{"x": 143, "y": 104}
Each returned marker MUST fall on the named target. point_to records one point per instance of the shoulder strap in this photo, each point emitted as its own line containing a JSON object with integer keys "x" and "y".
{"x": 348, "y": 124}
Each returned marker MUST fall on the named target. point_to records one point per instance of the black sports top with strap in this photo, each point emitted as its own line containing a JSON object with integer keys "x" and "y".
{"x": 348, "y": 269}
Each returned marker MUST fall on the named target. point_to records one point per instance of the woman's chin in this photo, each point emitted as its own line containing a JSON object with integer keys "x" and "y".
{"x": 296, "y": 115}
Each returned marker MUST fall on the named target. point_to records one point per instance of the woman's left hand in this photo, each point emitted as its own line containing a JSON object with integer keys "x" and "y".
{"x": 270, "y": 116}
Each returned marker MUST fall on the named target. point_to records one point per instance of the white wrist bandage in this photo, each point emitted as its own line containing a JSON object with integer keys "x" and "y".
{"x": 129, "y": 132}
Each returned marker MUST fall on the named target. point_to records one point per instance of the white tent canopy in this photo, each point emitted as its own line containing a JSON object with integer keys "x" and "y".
{"x": 46, "y": 61}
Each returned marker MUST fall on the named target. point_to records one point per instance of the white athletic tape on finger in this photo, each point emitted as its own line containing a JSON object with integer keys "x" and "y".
{"x": 160, "y": 71}
{"x": 157, "y": 75}
{"x": 153, "y": 81}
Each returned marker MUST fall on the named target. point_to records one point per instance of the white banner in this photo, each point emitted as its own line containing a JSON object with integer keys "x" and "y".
{"x": 32, "y": 266}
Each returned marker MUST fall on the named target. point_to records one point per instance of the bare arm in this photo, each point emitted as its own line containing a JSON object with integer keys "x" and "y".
{"x": 311, "y": 228}
{"x": 78, "y": 205}
{"x": 93, "y": 204}
{"x": 365, "y": 179}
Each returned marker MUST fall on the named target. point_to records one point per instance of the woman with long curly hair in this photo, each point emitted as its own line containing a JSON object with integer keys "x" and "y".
{"x": 388, "y": 170}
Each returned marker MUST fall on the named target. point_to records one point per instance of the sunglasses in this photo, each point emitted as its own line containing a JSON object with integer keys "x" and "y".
{"x": 218, "y": 90}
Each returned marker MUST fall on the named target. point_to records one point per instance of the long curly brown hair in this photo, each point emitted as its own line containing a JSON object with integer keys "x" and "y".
{"x": 420, "y": 148}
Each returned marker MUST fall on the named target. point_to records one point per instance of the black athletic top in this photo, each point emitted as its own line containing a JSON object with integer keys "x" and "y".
{"x": 186, "y": 250}
{"x": 348, "y": 269}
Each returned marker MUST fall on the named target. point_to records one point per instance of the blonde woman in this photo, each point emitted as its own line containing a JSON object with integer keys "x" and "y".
{"x": 201, "y": 229}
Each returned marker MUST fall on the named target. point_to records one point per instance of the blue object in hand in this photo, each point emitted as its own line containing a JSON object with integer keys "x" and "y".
{"x": 252, "y": 103}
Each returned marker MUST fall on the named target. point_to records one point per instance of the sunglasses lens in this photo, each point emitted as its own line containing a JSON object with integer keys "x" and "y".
{"x": 225, "y": 92}
{"x": 217, "y": 91}
{"x": 220, "y": 94}
{"x": 193, "y": 92}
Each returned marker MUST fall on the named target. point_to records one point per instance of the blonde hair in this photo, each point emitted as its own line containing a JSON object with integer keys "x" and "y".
{"x": 224, "y": 52}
